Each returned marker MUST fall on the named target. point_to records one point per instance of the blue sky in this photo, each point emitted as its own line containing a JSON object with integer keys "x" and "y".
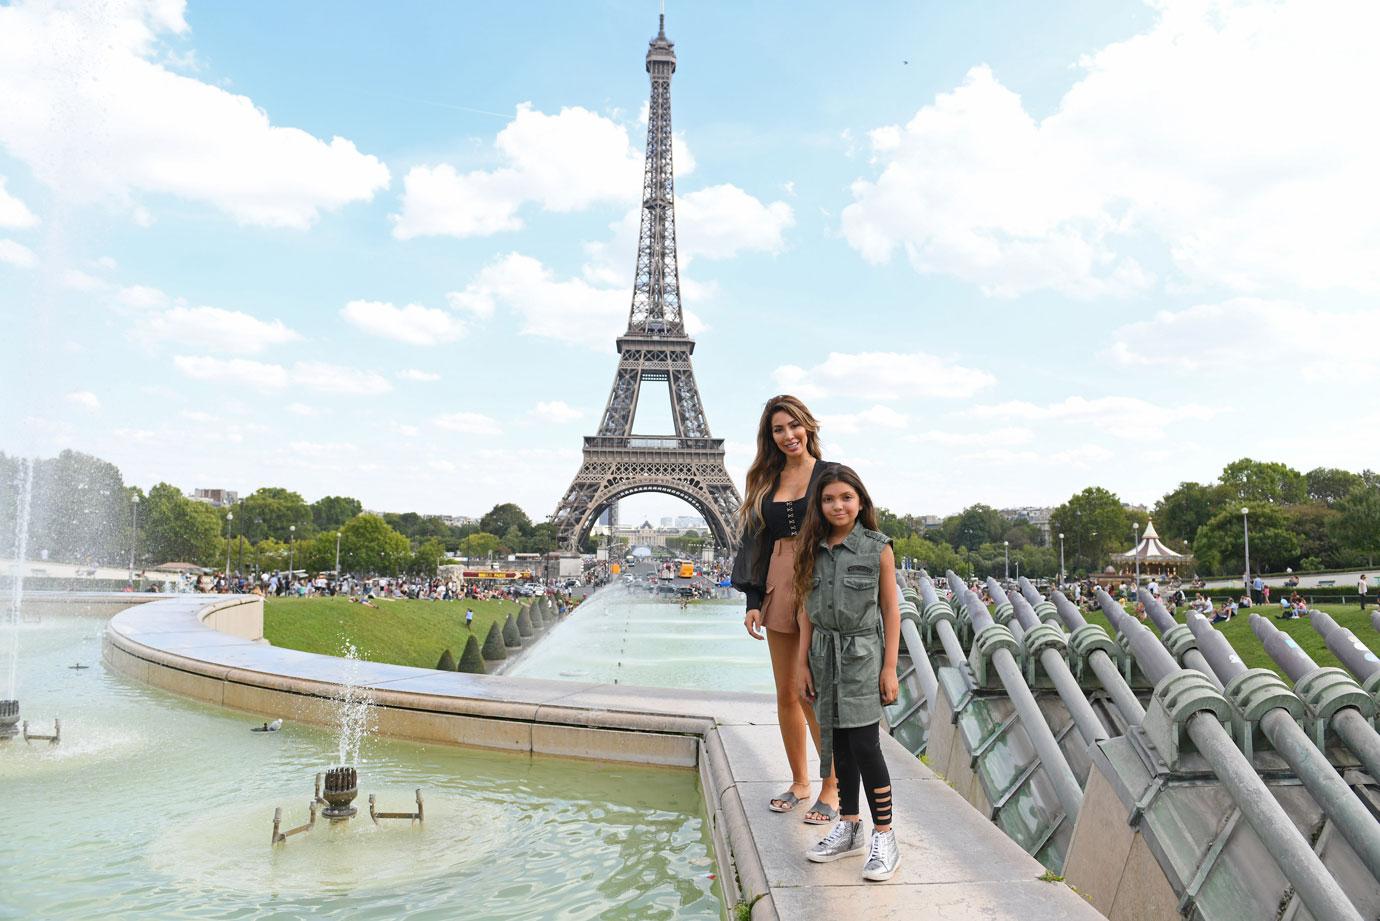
{"x": 1005, "y": 250}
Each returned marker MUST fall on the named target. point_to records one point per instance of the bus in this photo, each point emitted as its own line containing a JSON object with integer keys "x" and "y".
{"x": 687, "y": 569}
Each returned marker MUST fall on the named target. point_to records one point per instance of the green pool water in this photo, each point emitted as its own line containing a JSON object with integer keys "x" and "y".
{"x": 156, "y": 807}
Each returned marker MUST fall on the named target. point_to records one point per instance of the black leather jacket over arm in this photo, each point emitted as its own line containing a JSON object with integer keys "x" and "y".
{"x": 754, "y": 552}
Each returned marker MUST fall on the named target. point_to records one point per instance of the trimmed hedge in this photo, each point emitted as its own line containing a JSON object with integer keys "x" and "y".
{"x": 446, "y": 663}
{"x": 1338, "y": 594}
{"x": 494, "y": 649}
{"x": 524, "y": 623}
{"x": 511, "y": 638}
{"x": 471, "y": 660}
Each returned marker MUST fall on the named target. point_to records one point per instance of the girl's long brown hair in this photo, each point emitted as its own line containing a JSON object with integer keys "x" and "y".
{"x": 770, "y": 461}
{"x": 816, "y": 528}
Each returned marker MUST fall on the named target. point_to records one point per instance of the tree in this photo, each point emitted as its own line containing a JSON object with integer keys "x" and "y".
{"x": 428, "y": 557}
{"x": 471, "y": 660}
{"x": 975, "y": 525}
{"x": 935, "y": 558}
{"x": 447, "y": 661}
{"x": 1220, "y": 543}
{"x": 1313, "y": 523}
{"x": 1357, "y": 528}
{"x": 369, "y": 546}
{"x": 1248, "y": 481}
{"x": 1180, "y": 514}
{"x": 479, "y": 546}
{"x": 542, "y": 538}
{"x": 890, "y": 524}
{"x": 501, "y": 518}
{"x": 331, "y": 512}
{"x": 272, "y": 512}
{"x": 1094, "y": 523}
{"x": 494, "y": 648}
{"x": 173, "y": 528}
{"x": 511, "y": 638}
{"x": 1330, "y": 485}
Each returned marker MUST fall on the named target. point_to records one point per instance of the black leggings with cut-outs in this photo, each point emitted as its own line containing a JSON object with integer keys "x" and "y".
{"x": 859, "y": 762}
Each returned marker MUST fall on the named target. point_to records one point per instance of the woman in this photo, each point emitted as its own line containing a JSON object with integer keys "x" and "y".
{"x": 778, "y": 483}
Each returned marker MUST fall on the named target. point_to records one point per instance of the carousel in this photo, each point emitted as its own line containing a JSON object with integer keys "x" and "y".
{"x": 1157, "y": 561}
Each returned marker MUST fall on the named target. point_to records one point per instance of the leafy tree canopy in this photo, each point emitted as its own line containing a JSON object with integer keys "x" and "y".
{"x": 330, "y": 512}
{"x": 273, "y": 512}
{"x": 1248, "y": 481}
{"x": 504, "y": 517}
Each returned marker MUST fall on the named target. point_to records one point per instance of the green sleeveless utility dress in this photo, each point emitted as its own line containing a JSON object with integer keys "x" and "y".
{"x": 848, "y": 642}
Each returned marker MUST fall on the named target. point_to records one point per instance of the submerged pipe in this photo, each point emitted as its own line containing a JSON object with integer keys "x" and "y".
{"x": 1332, "y": 794}
{"x": 1032, "y": 718}
{"x": 1057, "y": 668}
{"x": 1351, "y": 727}
{"x": 1292, "y": 853}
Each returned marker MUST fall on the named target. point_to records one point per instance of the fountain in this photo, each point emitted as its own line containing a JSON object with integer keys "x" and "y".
{"x": 9, "y": 718}
{"x": 340, "y": 790}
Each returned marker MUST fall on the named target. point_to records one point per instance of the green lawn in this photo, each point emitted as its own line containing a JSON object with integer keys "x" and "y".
{"x": 1238, "y": 632}
{"x": 402, "y": 632}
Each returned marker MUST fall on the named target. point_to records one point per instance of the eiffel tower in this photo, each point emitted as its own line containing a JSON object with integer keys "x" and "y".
{"x": 617, "y": 463}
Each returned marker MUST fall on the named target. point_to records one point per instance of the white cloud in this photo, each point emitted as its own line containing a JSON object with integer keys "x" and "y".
{"x": 572, "y": 310}
{"x": 1081, "y": 456}
{"x": 722, "y": 220}
{"x": 16, "y": 254}
{"x": 1222, "y": 338}
{"x": 412, "y": 324}
{"x": 557, "y": 411}
{"x": 14, "y": 213}
{"x": 561, "y": 162}
{"x": 85, "y": 399}
{"x": 415, "y": 374}
{"x": 301, "y": 409}
{"x": 1125, "y": 417}
{"x": 868, "y": 420}
{"x": 216, "y": 329}
{"x": 141, "y": 297}
{"x": 1224, "y": 138}
{"x": 468, "y": 423}
{"x": 1012, "y": 435}
{"x": 95, "y": 115}
{"x": 309, "y": 375}
{"x": 883, "y": 376}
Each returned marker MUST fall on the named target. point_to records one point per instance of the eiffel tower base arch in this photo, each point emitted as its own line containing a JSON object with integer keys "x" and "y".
{"x": 690, "y": 469}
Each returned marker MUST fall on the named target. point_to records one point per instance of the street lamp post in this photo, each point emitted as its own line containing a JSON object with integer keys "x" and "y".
{"x": 292, "y": 551}
{"x": 134, "y": 537}
{"x": 337, "y": 555}
{"x": 1006, "y": 554}
{"x": 229, "y": 524}
{"x": 1135, "y": 533}
{"x": 1063, "y": 578}
{"x": 1246, "y": 536}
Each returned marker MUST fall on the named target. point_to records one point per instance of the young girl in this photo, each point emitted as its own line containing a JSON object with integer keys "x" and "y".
{"x": 849, "y": 637}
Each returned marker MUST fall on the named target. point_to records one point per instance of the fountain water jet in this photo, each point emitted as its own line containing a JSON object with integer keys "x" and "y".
{"x": 24, "y": 485}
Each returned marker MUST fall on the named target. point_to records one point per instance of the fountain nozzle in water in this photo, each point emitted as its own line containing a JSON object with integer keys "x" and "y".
{"x": 341, "y": 788}
{"x": 9, "y": 719}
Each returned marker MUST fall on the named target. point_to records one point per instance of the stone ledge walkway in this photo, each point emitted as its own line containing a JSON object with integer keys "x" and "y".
{"x": 955, "y": 865}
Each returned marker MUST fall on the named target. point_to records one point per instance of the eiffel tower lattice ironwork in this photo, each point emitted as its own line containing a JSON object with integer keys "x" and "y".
{"x": 689, "y": 464}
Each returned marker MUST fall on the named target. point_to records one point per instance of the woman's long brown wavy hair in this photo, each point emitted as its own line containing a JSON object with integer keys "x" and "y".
{"x": 816, "y": 528}
{"x": 770, "y": 461}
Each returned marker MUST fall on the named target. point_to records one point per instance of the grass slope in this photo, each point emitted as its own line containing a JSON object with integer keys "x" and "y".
{"x": 1238, "y": 632}
{"x": 401, "y": 632}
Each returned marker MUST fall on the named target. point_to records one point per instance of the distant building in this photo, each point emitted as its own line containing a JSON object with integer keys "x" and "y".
{"x": 458, "y": 521}
{"x": 218, "y": 498}
{"x": 1036, "y": 515}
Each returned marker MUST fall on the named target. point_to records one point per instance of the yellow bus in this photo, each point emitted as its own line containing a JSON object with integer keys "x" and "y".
{"x": 687, "y": 569}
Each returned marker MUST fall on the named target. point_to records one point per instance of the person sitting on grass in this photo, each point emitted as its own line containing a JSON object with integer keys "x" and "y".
{"x": 1227, "y": 612}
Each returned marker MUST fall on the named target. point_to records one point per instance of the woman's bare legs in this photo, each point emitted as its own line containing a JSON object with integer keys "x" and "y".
{"x": 796, "y": 718}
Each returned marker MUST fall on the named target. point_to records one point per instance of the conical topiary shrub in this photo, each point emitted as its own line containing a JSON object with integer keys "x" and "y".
{"x": 470, "y": 660}
{"x": 446, "y": 663}
{"x": 538, "y": 618}
{"x": 524, "y": 623}
{"x": 511, "y": 638}
{"x": 494, "y": 650}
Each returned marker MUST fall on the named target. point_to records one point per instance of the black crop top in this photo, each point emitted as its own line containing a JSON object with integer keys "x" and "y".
{"x": 784, "y": 519}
